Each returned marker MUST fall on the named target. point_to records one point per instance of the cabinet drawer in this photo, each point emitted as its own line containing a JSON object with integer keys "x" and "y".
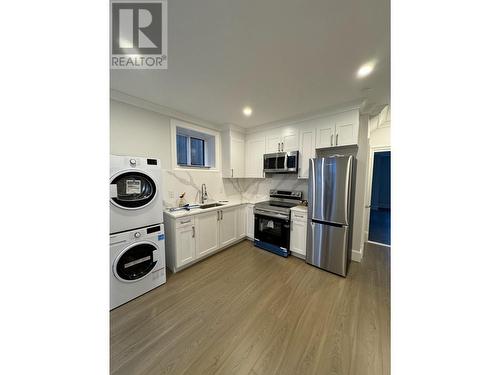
{"x": 184, "y": 221}
{"x": 299, "y": 216}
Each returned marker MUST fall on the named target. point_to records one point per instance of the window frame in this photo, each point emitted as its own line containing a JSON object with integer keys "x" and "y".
{"x": 189, "y": 158}
{"x": 211, "y": 146}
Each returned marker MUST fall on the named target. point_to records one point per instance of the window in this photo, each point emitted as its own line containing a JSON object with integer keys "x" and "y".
{"x": 197, "y": 151}
{"x": 194, "y": 148}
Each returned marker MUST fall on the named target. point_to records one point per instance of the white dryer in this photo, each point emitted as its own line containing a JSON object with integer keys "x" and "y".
{"x": 137, "y": 260}
{"x": 135, "y": 193}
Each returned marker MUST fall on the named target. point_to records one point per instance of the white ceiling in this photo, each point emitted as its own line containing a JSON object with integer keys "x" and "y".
{"x": 284, "y": 58}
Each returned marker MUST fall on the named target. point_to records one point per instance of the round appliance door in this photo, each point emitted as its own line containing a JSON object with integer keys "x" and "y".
{"x": 133, "y": 190}
{"x": 136, "y": 261}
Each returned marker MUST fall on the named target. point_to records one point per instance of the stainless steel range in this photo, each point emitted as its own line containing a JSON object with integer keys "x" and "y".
{"x": 272, "y": 221}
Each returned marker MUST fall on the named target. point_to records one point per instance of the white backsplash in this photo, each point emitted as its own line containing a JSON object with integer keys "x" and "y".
{"x": 218, "y": 188}
{"x": 257, "y": 189}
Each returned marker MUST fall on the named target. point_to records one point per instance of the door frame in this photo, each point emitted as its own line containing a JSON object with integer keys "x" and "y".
{"x": 368, "y": 193}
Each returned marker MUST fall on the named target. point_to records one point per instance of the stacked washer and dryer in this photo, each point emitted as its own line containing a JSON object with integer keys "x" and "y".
{"x": 137, "y": 237}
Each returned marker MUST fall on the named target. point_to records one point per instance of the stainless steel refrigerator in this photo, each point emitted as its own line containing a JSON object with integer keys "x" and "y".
{"x": 330, "y": 202}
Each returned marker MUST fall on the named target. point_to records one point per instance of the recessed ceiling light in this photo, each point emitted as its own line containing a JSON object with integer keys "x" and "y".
{"x": 366, "y": 69}
{"x": 247, "y": 111}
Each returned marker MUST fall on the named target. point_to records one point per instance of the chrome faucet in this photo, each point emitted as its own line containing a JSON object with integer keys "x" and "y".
{"x": 204, "y": 194}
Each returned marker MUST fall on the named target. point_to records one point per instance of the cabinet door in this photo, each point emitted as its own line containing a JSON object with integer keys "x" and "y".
{"x": 324, "y": 136}
{"x": 237, "y": 158}
{"x": 254, "y": 157}
{"x": 298, "y": 233}
{"x": 241, "y": 223}
{"x": 250, "y": 220}
{"x": 306, "y": 152}
{"x": 185, "y": 245}
{"x": 227, "y": 226}
{"x": 290, "y": 140}
{"x": 273, "y": 143}
{"x": 345, "y": 134}
{"x": 207, "y": 233}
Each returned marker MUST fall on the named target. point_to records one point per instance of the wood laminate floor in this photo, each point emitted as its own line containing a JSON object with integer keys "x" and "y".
{"x": 247, "y": 311}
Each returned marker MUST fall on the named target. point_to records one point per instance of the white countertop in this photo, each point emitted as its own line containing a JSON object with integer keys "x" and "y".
{"x": 299, "y": 209}
{"x": 196, "y": 211}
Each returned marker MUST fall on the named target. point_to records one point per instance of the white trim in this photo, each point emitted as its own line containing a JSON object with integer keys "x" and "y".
{"x": 174, "y": 123}
{"x": 378, "y": 243}
{"x": 356, "y": 255}
{"x": 181, "y": 116}
{"x": 325, "y": 112}
{"x": 298, "y": 255}
{"x": 368, "y": 190}
{"x": 150, "y": 106}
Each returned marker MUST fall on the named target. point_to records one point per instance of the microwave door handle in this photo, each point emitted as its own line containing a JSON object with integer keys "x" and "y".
{"x": 286, "y": 162}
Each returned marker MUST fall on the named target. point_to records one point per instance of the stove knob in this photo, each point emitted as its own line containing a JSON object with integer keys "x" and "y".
{"x": 133, "y": 162}
{"x": 137, "y": 234}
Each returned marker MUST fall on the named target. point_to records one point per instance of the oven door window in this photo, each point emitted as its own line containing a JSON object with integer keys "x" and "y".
{"x": 272, "y": 230}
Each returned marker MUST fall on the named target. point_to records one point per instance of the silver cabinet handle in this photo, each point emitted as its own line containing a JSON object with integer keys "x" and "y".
{"x": 299, "y": 216}
{"x": 222, "y": 215}
{"x": 218, "y": 215}
{"x": 185, "y": 222}
{"x": 278, "y": 147}
{"x": 193, "y": 231}
{"x": 337, "y": 139}
{"x": 282, "y": 146}
{"x": 331, "y": 140}
{"x": 232, "y": 174}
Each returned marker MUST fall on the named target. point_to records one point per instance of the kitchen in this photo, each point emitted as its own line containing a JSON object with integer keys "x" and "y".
{"x": 218, "y": 215}
{"x": 217, "y": 187}
{"x": 244, "y": 204}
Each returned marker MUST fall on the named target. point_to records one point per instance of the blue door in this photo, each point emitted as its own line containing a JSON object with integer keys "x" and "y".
{"x": 380, "y": 208}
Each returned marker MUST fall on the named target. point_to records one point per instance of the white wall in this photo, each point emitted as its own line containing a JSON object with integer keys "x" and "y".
{"x": 379, "y": 136}
{"x": 139, "y": 132}
{"x": 359, "y": 202}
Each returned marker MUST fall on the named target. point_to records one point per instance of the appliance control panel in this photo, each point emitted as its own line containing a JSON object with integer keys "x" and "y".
{"x": 289, "y": 194}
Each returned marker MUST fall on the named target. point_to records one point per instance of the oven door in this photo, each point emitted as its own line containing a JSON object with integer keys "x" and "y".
{"x": 272, "y": 232}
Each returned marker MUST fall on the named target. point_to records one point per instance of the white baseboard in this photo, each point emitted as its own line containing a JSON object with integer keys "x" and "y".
{"x": 297, "y": 255}
{"x": 356, "y": 255}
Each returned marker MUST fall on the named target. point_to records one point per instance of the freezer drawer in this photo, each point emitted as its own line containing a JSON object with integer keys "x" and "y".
{"x": 327, "y": 247}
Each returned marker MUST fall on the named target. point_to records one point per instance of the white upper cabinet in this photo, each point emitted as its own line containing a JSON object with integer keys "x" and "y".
{"x": 273, "y": 143}
{"x": 282, "y": 140}
{"x": 233, "y": 154}
{"x": 345, "y": 134}
{"x": 338, "y": 130}
{"x": 324, "y": 135}
{"x": 255, "y": 148}
{"x": 207, "y": 227}
{"x": 307, "y": 151}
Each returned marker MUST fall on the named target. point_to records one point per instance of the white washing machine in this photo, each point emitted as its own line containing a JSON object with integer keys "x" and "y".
{"x": 137, "y": 260}
{"x": 135, "y": 193}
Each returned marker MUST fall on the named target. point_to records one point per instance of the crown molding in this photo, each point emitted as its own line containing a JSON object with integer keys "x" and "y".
{"x": 163, "y": 110}
{"x": 328, "y": 111}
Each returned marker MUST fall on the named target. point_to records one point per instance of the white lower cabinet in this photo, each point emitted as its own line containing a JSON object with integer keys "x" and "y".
{"x": 250, "y": 220}
{"x": 227, "y": 226}
{"x": 207, "y": 233}
{"x": 185, "y": 243}
{"x": 194, "y": 237}
{"x": 298, "y": 234}
{"x": 241, "y": 222}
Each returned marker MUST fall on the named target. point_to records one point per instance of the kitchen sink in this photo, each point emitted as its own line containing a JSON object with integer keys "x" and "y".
{"x": 210, "y": 205}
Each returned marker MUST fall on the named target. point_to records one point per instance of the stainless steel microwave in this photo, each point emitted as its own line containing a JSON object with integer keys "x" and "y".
{"x": 281, "y": 162}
